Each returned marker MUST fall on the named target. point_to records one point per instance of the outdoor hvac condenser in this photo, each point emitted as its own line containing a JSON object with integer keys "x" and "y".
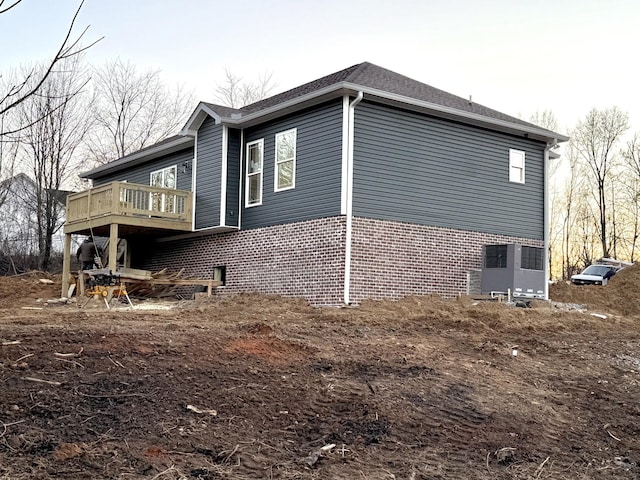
{"x": 513, "y": 267}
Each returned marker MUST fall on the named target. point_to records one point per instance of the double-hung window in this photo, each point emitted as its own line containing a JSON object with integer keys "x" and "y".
{"x": 516, "y": 166}
{"x": 253, "y": 190}
{"x": 285, "y": 165}
{"x": 163, "y": 201}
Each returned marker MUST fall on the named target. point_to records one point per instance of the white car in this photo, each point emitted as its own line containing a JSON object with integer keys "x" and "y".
{"x": 595, "y": 275}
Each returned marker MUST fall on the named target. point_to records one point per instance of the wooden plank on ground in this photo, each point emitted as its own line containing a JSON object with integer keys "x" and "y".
{"x": 209, "y": 283}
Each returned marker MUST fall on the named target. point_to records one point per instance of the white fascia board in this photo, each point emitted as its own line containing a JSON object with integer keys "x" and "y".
{"x": 196, "y": 119}
{"x": 461, "y": 115}
{"x": 283, "y": 108}
{"x": 342, "y": 88}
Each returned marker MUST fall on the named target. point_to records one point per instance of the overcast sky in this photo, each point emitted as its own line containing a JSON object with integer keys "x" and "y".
{"x": 511, "y": 55}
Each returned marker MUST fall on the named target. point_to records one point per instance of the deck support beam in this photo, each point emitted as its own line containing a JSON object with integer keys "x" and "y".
{"x": 66, "y": 265}
{"x": 113, "y": 247}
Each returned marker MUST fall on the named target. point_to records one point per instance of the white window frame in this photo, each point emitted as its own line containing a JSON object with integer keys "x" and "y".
{"x": 516, "y": 165}
{"x": 247, "y": 175}
{"x": 278, "y": 162}
{"x": 163, "y": 199}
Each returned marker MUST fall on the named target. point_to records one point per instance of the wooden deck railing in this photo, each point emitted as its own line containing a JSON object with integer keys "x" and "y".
{"x": 129, "y": 199}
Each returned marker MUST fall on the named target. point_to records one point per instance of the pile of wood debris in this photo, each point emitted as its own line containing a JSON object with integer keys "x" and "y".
{"x": 163, "y": 289}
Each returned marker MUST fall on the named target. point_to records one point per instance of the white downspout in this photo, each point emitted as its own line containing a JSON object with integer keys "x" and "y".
{"x": 349, "y": 199}
{"x": 547, "y": 220}
{"x": 223, "y": 175}
{"x": 194, "y": 179}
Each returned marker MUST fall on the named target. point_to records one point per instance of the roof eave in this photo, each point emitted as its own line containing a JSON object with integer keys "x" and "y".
{"x": 289, "y": 106}
{"x": 342, "y": 88}
{"x": 141, "y": 156}
{"x": 532, "y": 132}
{"x": 196, "y": 119}
{"x": 316, "y": 97}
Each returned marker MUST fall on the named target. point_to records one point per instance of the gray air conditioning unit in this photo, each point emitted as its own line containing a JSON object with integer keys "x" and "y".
{"x": 515, "y": 268}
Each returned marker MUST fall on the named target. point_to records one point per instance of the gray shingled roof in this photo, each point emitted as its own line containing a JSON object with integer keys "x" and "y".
{"x": 363, "y": 74}
{"x": 222, "y": 110}
{"x": 121, "y": 162}
{"x": 332, "y": 79}
{"x": 369, "y": 75}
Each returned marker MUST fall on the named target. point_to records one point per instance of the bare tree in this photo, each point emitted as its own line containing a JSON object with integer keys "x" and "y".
{"x": 545, "y": 119}
{"x": 8, "y": 151}
{"x": 17, "y": 92}
{"x": 50, "y": 144}
{"x": 596, "y": 137}
{"x": 631, "y": 159}
{"x": 133, "y": 110}
{"x": 568, "y": 218}
{"x": 631, "y": 155}
{"x": 235, "y": 92}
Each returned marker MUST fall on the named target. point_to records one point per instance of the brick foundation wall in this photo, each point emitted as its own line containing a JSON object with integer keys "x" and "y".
{"x": 393, "y": 260}
{"x": 304, "y": 259}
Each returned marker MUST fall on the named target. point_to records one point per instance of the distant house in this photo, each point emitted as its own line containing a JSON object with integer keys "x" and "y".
{"x": 19, "y": 222}
{"x": 361, "y": 184}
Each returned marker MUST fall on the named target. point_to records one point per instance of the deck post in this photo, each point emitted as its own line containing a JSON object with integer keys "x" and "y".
{"x": 113, "y": 247}
{"x": 66, "y": 265}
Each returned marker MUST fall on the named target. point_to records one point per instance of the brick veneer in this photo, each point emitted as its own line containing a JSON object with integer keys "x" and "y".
{"x": 306, "y": 259}
{"x": 393, "y": 260}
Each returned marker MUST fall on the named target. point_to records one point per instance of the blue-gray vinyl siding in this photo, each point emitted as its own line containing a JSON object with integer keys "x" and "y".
{"x": 208, "y": 174}
{"x": 417, "y": 169}
{"x": 141, "y": 174}
{"x": 233, "y": 178}
{"x": 318, "y": 168}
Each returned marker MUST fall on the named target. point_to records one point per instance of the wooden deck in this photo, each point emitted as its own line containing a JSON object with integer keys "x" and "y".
{"x": 129, "y": 204}
{"x": 120, "y": 210}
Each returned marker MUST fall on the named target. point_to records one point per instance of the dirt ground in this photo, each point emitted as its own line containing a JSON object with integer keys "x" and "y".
{"x": 261, "y": 387}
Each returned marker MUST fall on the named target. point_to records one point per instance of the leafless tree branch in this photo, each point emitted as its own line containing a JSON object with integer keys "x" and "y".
{"x": 24, "y": 89}
{"x": 9, "y": 7}
{"x": 133, "y": 110}
{"x": 235, "y": 92}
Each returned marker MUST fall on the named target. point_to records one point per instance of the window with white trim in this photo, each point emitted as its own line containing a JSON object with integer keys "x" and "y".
{"x": 164, "y": 178}
{"x": 516, "y": 166}
{"x": 253, "y": 190}
{"x": 285, "y": 165}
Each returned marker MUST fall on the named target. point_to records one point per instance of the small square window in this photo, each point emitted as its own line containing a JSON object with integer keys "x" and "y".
{"x": 220, "y": 273}
{"x": 516, "y": 166}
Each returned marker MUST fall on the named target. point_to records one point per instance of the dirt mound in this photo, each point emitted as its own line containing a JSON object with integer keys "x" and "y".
{"x": 24, "y": 289}
{"x": 260, "y": 386}
{"x": 620, "y": 295}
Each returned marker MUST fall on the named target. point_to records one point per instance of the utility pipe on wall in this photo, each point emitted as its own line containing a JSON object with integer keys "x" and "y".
{"x": 349, "y": 199}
